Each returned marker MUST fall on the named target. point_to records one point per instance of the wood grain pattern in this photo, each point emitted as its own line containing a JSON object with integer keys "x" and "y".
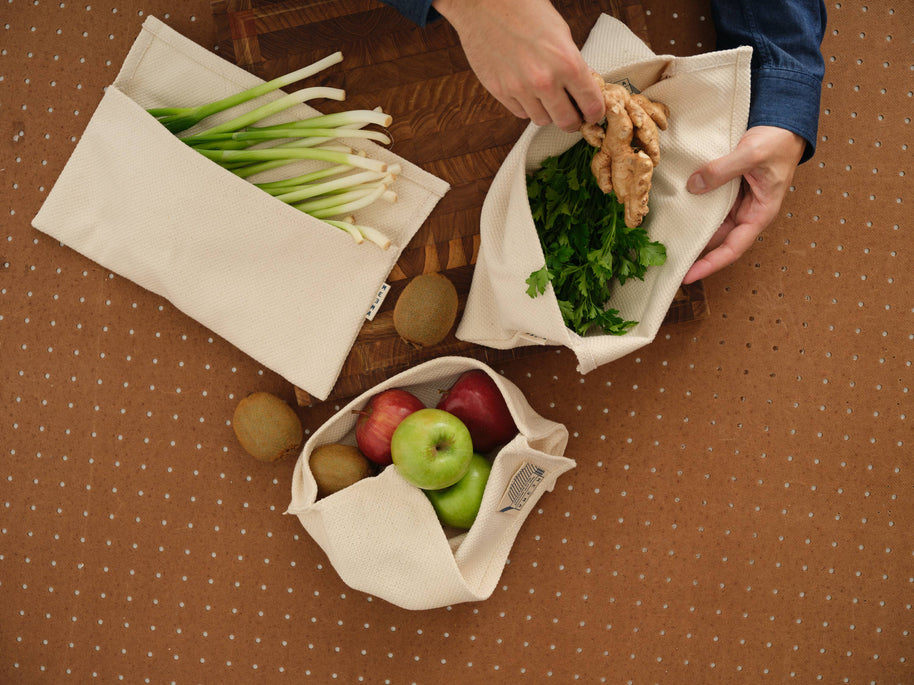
{"x": 444, "y": 121}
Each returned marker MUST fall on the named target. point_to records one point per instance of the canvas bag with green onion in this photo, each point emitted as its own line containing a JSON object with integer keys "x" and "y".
{"x": 281, "y": 260}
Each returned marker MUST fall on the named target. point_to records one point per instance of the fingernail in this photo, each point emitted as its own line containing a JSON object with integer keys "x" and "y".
{"x": 696, "y": 184}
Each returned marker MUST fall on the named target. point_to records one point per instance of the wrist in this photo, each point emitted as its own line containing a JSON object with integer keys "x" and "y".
{"x": 469, "y": 14}
{"x": 778, "y": 142}
{"x": 451, "y": 9}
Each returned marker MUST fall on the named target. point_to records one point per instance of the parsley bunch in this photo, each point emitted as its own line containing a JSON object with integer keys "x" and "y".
{"x": 585, "y": 240}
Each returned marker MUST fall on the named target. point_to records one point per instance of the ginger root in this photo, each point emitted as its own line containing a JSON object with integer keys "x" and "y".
{"x": 629, "y": 147}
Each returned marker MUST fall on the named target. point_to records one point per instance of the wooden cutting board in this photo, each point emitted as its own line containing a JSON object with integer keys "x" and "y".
{"x": 444, "y": 121}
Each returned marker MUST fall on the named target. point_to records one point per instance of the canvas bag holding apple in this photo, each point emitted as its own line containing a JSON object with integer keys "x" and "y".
{"x": 382, "y": 535}
{"x": 708, "y": 97}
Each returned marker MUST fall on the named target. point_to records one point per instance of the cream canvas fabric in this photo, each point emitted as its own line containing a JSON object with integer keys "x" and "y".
{"x": 708, "y": 96}
{"x": 382, "y": 535}
{"x": 288, "y": 290}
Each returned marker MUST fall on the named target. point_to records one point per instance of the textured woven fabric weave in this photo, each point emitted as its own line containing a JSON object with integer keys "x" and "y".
{"x": 708, "y": 96}
{"x": 382, "y": 535}
{"x": 289, "y": 290}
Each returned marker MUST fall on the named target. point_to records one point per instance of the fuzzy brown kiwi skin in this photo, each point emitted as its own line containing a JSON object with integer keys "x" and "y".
{"x": 336, "y": 466}
{"x": 426, "y": 310}
{"x": 267, "y": 427}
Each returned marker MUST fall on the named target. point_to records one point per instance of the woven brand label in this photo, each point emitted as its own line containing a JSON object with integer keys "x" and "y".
{"x": 533, "y": 337}
{"x": 628, "y": 85}
{"x": 378, "y": 301}
{"x": 521, "y": 486}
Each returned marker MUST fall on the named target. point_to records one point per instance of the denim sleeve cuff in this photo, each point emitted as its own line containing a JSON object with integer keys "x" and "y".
{"x": 789, "y": 100}
{"x": 419, "y": 12}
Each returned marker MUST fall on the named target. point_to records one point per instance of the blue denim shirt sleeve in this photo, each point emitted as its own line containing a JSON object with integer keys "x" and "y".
{"x": 420, "y": 12}
{"x": 787, "y": 63}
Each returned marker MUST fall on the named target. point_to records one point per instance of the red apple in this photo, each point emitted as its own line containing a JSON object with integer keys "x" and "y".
{"x": 378, "y": 420}
{"x": 476, "y": 400}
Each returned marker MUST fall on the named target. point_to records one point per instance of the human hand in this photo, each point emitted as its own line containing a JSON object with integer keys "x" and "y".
{"x": 766, "y": 158}
{"x": 524, "y": 55}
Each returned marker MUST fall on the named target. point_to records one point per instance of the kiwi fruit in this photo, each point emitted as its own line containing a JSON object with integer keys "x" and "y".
{"x": 336, "y": 466}
{"x": 267, "y": 427}
{"x": 426, "y": 310}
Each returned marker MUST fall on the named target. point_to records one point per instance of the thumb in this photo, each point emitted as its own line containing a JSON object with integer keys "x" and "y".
{"x": 722, "y": 170}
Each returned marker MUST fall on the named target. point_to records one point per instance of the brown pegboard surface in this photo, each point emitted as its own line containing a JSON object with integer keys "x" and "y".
{"x": 741, "y": 508}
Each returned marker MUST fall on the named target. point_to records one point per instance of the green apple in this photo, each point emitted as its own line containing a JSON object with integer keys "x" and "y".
{"x": 458, "y": 505}
{"x": 431, "y": 449}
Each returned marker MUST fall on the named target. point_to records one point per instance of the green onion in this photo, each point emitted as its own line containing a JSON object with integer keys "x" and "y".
{"x": 286, "y": 184}
{"x": 270, "y": 154}
{"x": 356, "y": 234}
{"x": 344, "y": 183}
{"x": 352, "y": 206}
{"x": 247, "y": 170}
{"x": 177, "y": 119}
{"x": 341, "y": 199}
{"x": 349, "y": 181}
{"x": 353, "y": 117}
{"x": 255, "y": 136}
{"x": 291, "y": 132}
{"x": 367, "y": 232}
{"x": 275, "y": 107}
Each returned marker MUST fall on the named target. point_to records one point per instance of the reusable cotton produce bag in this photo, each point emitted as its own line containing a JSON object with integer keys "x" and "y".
{"x": 708, "y": 97}
{"x": 382, "y": 535}
{"x": 289, "y": 290}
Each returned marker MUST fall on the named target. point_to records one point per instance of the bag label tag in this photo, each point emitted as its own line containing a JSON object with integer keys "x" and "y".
{"x": 378, "y": 301}
{"x": 521, "y": 486}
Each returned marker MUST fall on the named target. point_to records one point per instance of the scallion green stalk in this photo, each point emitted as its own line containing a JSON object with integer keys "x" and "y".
{"x": 352, "y": 206}
{"x": 292, "y": 132}
{"x": 275, "y": 107}
{"x": 286, "y": 184}
{"x": 330, "y": 193}
{"x": 317, "y": 189}
{"x": 273, "y": 155}
{"x": 256, "y": 136}
{"x": 356, "y": 234}
{"x": 353, "y": 117}
{"x": 343, "y": 199}
{"x": 251, "y": 169}
{"x": 177, "y": 119}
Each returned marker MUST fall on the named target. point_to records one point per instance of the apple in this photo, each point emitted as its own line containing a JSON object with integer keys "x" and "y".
{"x": 458, "y": 505}
{"x": 431, "y": 449}
{"x": 476, "y": 400}
{"x": 378, "y": 420}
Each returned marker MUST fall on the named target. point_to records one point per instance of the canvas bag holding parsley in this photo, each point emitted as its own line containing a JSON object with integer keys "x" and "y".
{"x": 514, "y": 301}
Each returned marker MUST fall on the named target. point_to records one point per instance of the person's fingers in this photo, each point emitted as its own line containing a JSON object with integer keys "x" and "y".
{"x": 514, "y": 107}
{"x": 733, "y": 246}
{"x": 729, "y": 223}
{"x": 719, "y": 235}
{"x": 717, "y": 172}
{"x": 562, "y": 112}
{"x": 766, "y": 158}
{"x": 584, "y": 90}
{"x": 575, "y": 97}
{"x": 535, "y": 111}
{"x": 746, "y": 220}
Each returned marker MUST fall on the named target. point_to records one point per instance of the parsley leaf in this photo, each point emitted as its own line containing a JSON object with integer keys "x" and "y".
{"x": 537, "y": 282}
{"x": 587, "y": 245}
